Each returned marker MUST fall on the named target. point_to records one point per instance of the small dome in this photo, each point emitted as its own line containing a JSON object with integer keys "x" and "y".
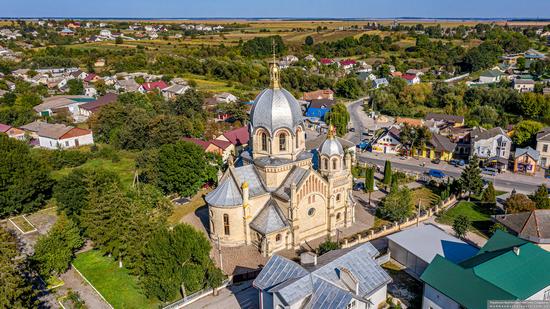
{"x": 274, "y": 109}
{"x": 330, "y": 147}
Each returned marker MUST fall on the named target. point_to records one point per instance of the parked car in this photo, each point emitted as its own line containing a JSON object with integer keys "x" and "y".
{"x": 436, "y": 161}
{"x": 363, "y": 145}
{"x": 455, "y": 162}
{"x": 436, "y": 173}
{"x": 352, "y": 129}
{"x": 489, "y": 171}
{"x": 360, "y": 186}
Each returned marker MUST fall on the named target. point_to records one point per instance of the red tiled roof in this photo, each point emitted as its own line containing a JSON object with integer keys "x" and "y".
{"x": 221, "y": 144}
{"x": 4, "y": 128}
{"x": 348, "y": 62}
{"x": 90, "y": 77}
{"x": 154, "y": 85}
{"x": 326, "y": 61}
{"x": 238, "y": 136}
{"x": 93, "y": 106}
{"x": 318, "y": 94}
{"x": 74, "y": 132}
{"x": 197, "y": 142}
{"x": 409, "y": 76}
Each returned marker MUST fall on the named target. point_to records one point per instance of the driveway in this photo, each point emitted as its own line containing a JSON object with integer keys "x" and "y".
{"x": 242, "y": 295}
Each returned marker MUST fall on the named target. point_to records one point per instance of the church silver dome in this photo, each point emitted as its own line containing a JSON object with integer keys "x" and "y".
{"x": 276, "y": 108}
{"x": 330, "y": 147}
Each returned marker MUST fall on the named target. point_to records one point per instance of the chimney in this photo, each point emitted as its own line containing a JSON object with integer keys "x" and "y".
{"x": 516, "y": 250}
{"x": 308, "y": 259}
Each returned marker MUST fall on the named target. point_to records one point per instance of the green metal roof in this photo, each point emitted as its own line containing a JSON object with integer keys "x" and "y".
{"x": 495, "y": 273}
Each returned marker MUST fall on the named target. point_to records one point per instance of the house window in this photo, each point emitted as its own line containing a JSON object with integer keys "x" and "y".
{"x": 264, "y": 142}
{"x": 66, "y": 143}
{"x": 226, "y": 224}
{"x": 282, "y": 142}
{"x": 278, "y": 237}
{"x": 547, "y": 295}
{"x": 545, "y": 148}
{"x": 311, "y": 212}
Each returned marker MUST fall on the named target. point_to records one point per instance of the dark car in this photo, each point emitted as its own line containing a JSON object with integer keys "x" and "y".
{"x": 436, "y": 161}
{"x": 360, "y": 186}
{"x": 455, "y": 162}
{"x": 352, "y": 129}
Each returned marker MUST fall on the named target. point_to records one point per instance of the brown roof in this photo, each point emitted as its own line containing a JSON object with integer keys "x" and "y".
{"x": 74, "y": 132}
{"x": 319, "y": 103}
{"x": 442, "y": 143}
{"x": 410, "y": 121}
{"x": 444, "y": 117}
{"x": 94, "y": 106}
{"x": 533, "y": 226}
{"x": 318, "y": 94}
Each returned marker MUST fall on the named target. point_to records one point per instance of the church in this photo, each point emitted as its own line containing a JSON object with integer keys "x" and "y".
{"x": 278, "y": 199}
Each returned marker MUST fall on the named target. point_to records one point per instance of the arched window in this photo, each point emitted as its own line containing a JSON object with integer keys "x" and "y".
{"x": 278, "y": 237}
{"x": 325, "y": 161}
{"x": 226, "y": 224}
{"x": 338, "y": 216}
{"x": 334, "y": 164}
{"x": 338, "y": 197}
{"x": 264, "y": 142}
{"x": 282, "y": 142}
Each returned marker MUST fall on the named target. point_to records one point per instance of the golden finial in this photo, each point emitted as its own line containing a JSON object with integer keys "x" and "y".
{"x": 274, "y": 70}
{"x": 331, "y": 131}
{"x": 244, "y": 185}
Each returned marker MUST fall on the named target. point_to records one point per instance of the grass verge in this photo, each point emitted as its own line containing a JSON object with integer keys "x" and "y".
{"x": 180, "y": 211}
{"x": 479, "y": 217}
{"x": 118, "y": 287}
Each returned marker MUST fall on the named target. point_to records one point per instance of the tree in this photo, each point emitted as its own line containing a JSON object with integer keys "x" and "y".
{"x": 540, "y": 197}
{"x": 397, "y": 205}
{"x": 76, "y": 87}
{"x": 525, "y": 132}
{"x": 263, "y": 46}
{"x": 470, "y": 178}
{"x": 349, "y": 87}
{"x": 327, "y": 246}
{"x": 309, "y": 40}
{"x": 119, "y": 40}
{"x": 387, "y": 173}
{"x": 339, "y": 117}
{"x": 489, "y": 197}
{"x": 25, "y": 180}
{"x": 16, "y": 292}
{"x": 461, "y": 225}
{"x": 369, "y": 182}
{"x": 55, "y": 250}
{"x": 183, "y": 168}
{"x": 179, "y": 257}
{"x": 518, "y": 202}
{"x": 189, "y": 104}
{"x": 497, "y": 226}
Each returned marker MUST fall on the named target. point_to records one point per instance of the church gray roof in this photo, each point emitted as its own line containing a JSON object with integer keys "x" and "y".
{"x": 330, "y": 147}
{"x": 270, "y": 219}
{"x": 294, "y": 176}
{"x": 295, "y": 283}
{"x": 274, "y": 109}
{"x": 228, "y": 192}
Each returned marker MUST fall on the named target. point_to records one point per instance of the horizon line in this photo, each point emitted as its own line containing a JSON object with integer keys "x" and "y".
{"x": 281, "y": 18}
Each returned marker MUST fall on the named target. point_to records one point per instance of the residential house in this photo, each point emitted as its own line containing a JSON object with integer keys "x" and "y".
{"x": 12, "y": 132}
{"x": 90, "y": 91}
{"x": 326, "y": 94}
{"x": 172, "y": 91}
{"x": 58, "y": 136}
{"x": 524, "y": 85}
{"x": 55, "y": 104}
{"x": 543, "y": 147}
{"x": 442, "y": 119}
{"x": 92, "y": 78}
{"x": 506, "y": 268}
{"x": 319, "y": 107}
{"x": 415, "y": 72}
{"x": 415, "y": 248}
{"x": 310, "y": 58}
{"x": 66, "y": 32}
{"x": 492, "y": 146}
{"x": 413, "y": 122}
{"x": 105, "y": 33}
{"x": 127, "y": 85}
{"x": 328, "y": 61}
{"x": 365, "y": 76}
{"x": 87, "y": 109}
{"x": 439, "y": 147}
{"x": 526, "y": 160}
{"x": 388, "y": 142}
{"x": 396, "y": 74}
{"x": 99, "y": 63}
{"x": 345, "y": 278}
{"x": 225, "y": 97}
{"x": 347, "y": 64}
{"x": 238, "y": 137}
{"x": 223, "y": 148}
{"x": 78, "y": 74}
{"x": 533, "y": 226}
{"x": 411, "y": 79}
{"x": 151, "y": 86}
{"x": 490, "y": 76}
{"x": 546, "y": 91}
{"x": 380, "y": 82}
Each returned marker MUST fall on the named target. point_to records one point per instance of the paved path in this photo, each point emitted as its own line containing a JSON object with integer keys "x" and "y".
{"x": 236, "y": 296}
{"x": 361, "y": 121}
{"x": 73, "y": 281}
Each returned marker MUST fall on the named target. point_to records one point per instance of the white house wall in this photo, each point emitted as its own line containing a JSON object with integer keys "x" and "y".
{"x": 433, "y": 299}
{"x": 51, "y": 143}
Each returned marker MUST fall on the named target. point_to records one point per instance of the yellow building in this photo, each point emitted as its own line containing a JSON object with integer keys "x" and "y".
{"x": 439, "y": 147}
{"x": 277, "y": 200}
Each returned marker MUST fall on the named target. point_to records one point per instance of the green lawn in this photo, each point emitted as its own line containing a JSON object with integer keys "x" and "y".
{"x": 125, "y": 167}
{"x": 479, "y": 216}
{"x": 115, "y": 284}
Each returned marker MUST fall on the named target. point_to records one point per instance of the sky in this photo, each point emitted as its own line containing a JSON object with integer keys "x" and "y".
{"x": 277, "y": 8}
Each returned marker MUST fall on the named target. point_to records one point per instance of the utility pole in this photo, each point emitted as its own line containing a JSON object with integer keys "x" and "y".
{"x": 418, "y": 212}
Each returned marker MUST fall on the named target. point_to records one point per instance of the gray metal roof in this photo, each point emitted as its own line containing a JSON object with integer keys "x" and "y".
{"x": 359, "y": 260}
{"x": 331, "y": 147}
{"x": 226, "y": 194}
{"x": 249, "y": 174}
{"x": 427, "y": 241}
{"x": 529, "y": 151}
{"x": 270, "y": 219}
{"x": 295, "y": 176}
{"x": 278, "y": 270}
{"x": 274, "y": 109}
